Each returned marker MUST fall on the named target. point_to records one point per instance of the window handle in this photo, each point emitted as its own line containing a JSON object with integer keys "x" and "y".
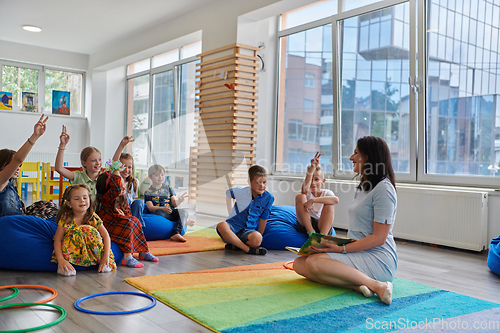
{"x": 414, "y": 84}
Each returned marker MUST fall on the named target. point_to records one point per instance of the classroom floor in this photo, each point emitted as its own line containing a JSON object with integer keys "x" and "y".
{"x": 459, "y": 271}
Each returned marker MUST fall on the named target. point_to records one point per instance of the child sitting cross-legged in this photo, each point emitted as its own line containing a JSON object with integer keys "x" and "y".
{"x": 81, "y": 238}
{"x": 315, "y": 206}
{"x": 247, "y": 220}
{"x": 160, "y": 200}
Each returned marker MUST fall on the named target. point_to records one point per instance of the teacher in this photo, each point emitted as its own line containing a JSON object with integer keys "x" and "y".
{"x": 368, "y": 265}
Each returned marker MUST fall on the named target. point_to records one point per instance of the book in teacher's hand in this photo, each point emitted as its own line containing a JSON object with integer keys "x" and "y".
{"x": 315, "y": 240}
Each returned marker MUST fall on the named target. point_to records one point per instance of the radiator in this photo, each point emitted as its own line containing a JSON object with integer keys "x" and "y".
{"x": 450, "y": 217}
{"x": 72, "y": 159}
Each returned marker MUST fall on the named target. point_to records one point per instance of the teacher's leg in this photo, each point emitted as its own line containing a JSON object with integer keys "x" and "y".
{"x": 322, "y": 269}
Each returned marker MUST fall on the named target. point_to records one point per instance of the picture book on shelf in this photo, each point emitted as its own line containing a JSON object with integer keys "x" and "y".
{"x": 315, "y": 240}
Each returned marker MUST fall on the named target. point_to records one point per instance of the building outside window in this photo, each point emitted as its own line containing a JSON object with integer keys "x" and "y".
{"x": 462, "y": 136}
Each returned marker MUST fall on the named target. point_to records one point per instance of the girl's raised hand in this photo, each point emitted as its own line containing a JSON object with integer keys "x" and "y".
{"x": 40, "y": 126}
{"x": 126, "y": 140}
{"x": 64, "y": 137}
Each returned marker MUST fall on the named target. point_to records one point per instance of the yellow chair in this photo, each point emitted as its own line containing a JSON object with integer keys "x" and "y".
{"x": 35, "y": 181}
{"x": 48, "y": 183}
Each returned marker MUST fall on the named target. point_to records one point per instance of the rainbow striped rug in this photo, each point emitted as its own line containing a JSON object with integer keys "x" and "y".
{"x": 270, "y": 298}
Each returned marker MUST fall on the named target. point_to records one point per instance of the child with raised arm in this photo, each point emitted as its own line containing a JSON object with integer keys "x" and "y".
{"x": 315, "y": 206}
{"x": 247, "y": 220}
{"x": 90, "y": 158}
{"x": 123, "y": 228}
{"x": 10, "y": 163}
{"x": 81, "y": 239}
{"x": 161, "y": 200}
{"x": 130, "y": 183}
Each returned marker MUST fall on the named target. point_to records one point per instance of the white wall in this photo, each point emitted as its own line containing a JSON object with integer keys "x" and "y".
{"x": 17, "y": 127}
{"x": 217, "y": 21}
{"x": 43, "y": 56}
{"x": 108, "y": 110}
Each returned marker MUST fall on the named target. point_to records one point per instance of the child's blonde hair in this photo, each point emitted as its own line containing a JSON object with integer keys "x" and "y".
{"x": 87, "y": 151}
{"x": 131, "y": 181}
{"x": 64, "y": 208}
{"x": 320, "y": 172}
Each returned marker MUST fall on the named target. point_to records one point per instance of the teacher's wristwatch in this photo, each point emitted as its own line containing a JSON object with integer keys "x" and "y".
{"x": 344, "y": 252}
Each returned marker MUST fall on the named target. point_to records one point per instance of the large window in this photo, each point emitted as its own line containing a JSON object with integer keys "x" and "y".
{"x": 463, "y": 82}
{"x": 306, "y": 96}
{"x": 161, "y": 108}
{"x": 64, "y": 81}
{"x": 32, "y": 87}
{"x": 374, "y": 92}
{"x": 442, "y": 126}
{"x": 138, "y": 117}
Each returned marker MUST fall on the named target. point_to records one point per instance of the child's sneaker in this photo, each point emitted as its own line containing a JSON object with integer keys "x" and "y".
{"x": 232, "y": 247}
{"x": 148, "y": 256}
{"x": 63, "y": 273}
{"x": 257, "y": 250}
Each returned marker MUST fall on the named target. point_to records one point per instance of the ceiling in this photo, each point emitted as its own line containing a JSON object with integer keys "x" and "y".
{"x": 85, "y": 26}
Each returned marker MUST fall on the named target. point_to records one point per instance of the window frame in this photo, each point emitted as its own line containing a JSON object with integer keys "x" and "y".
{"x": 41, "y": 83}
{"x": 175, "y": 67}
{"x": 337, "y": 79}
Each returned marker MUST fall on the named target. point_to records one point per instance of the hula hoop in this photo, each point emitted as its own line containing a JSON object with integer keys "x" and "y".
{"x": 288, "y": 265}
{"x": 153, "y": 303}
{"x": 33, "y": 286}
{"x": 16, "y": 305}
{"x": 16, "y": 291}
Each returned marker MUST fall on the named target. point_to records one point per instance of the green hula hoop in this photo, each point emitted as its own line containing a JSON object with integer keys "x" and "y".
{"x": 57, "y": 321}
{"x": 16, "y": 291}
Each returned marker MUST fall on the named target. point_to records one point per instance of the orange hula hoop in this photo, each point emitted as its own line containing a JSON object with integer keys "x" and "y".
{"x": 288, "y": 265}
{"x": 33, "y": 286}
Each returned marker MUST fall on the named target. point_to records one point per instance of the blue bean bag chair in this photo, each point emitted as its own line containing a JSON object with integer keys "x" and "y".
{"x": 494, "y": 256}
{"x": 27, "y": 242}
{"x": 280, "y": 229}
{"x": 157, "y": 227}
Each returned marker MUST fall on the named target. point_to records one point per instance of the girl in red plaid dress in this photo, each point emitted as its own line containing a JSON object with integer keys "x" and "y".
{"x": 123, "y": 228}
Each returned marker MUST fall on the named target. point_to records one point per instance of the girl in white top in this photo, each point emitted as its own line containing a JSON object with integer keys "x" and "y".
{"x": 368, "y": 265}
{"x": 314, "y": 206}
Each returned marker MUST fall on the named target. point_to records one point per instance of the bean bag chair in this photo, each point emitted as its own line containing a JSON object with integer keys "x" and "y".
{"x": 27, "y": 242}
{"x": 280, "y": 229}
{"x": 157, "y": 227}
{"x": 494, "y": 256}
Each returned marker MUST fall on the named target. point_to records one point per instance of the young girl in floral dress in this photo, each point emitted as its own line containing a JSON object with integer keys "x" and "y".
{"x": 81, "y": 238}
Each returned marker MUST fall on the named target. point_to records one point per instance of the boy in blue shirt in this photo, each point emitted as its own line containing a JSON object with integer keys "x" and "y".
{"x": 247, "y": 220}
